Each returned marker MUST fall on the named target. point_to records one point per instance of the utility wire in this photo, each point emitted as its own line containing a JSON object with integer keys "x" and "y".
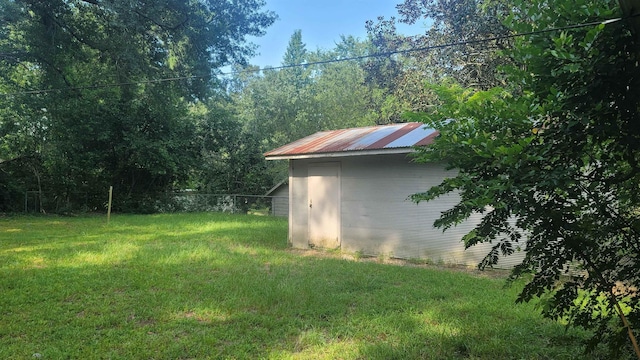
{"x": 102, "y": 86}
{"x": 331, "y": 61}
{"x": 434, "y": 47}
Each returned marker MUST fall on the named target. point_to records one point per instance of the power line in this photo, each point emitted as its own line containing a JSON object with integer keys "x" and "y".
{"x": 101, "y": 86}
{"x": 434, "y": 47}
{"x": 331, "y": 61}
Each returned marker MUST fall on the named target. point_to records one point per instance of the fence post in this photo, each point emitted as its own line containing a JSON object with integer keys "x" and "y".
{"x": 109, "y": 205}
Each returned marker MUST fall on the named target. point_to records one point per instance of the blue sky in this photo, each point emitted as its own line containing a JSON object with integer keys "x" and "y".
{"x": 321, "y": 22}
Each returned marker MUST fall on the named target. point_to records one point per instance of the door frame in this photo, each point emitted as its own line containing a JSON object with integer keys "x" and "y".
{"x": 338, "y": 204}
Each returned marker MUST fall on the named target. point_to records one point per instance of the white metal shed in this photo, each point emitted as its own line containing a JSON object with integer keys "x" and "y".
{"x": 350, "y": 189}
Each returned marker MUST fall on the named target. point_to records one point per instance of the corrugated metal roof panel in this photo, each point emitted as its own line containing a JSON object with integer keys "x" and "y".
{"x": 400, "y": 132}
{"x": 396, "y": 136}
{"x": 341, "y": 139}
{"x": 411, "y": 138}
{"x": 377, "y": 134}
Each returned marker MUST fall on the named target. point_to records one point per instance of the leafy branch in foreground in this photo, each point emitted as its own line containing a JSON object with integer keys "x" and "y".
{"x": 558, "y": 165}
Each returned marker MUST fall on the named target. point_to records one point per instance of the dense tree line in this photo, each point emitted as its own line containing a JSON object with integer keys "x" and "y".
{"x": 98, "y": 94}
{"x": 292, "y": 101}
{"x": 101, "y": 93}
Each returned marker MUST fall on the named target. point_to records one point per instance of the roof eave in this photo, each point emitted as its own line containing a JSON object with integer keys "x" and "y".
{"x": 341, "y": 154}
{"x": 275, "y": 187}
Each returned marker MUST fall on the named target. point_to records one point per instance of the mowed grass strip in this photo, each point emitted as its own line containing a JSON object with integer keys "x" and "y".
{"x": 197, "y": 286}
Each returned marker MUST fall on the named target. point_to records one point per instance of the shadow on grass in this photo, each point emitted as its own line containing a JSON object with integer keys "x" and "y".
{"x": 221, "y": 287}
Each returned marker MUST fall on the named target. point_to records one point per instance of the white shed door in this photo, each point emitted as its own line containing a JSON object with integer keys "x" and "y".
{"x": 324, "y": 205}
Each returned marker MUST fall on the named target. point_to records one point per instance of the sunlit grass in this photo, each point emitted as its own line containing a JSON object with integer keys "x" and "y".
{"x": 195, "y": 286}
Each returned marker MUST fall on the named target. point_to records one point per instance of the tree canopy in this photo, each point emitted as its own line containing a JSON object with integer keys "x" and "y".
{"x": 285, "y": 104}
{"x": 553, "y": 159}
{"x": 97, "y": 93}
{"x": 464, "y": 42}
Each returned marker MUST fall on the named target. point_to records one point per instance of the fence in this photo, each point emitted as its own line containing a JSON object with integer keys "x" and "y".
{"x": 232, "y": 203}
{"x": 36, "y": 202}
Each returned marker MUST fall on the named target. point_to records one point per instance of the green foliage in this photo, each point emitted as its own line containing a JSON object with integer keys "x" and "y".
{"x": 231, "y": 156}
{"x": 554, "y": 160}
{"x": 287, "y": 104}
{"x": 105, "y": 115}
{"x": 472, "y": 63}
{"x": 278, "y": 105}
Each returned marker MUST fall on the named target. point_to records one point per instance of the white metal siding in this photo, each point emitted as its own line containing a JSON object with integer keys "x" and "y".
{"x": 280, "y": 201}
{"x": 298, "y": 216}
{"x": 378, "y": 217}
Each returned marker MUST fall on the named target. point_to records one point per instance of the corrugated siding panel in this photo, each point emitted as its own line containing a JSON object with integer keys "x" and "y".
{"x": 377, "y": 216}
{"x": 399, "y": 131}
{"x": 280, "y": 201}
{"x": 317, "y": 144}
{"x": 280, "y": 206}
{"x": 428, "y": 140}
{"x": 298, "y": 217}
{"x": 309, "y": 141}
{"x": 339, "y": 140}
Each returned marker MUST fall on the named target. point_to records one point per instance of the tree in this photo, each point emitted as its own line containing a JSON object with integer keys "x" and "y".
{"x": 231, "y": 155}
{"x": 116, "y": 79}
{"x": 283, "y": 105}
{"x": 295, "y": 55}
{"x": 343, "y": 97}
{"x": 555, "y": 160}
{"x": 472, "y": 62}
{"x": 286, "y": 104}
{"x": 278, "y": 104}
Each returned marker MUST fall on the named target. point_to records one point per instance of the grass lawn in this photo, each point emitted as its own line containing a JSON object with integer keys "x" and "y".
{"x": 195, "y": 286}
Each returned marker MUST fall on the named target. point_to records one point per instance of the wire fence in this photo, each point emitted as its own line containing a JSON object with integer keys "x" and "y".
{"x": 231, "y": 203}
{"x": 40, "y": 202}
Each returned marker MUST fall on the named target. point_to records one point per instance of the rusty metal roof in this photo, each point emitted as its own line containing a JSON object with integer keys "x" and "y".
{"x": 396, "y": 138}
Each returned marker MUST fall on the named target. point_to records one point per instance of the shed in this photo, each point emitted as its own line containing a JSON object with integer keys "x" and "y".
{"x": 349, "y": 189}
{"x": 279, "y": 195}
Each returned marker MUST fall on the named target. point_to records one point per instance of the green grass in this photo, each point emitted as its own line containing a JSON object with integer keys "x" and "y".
{"x": 194, "y": 286}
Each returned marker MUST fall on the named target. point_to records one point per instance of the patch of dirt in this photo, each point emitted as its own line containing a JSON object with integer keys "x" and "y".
{"x": 425, "y": 264}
